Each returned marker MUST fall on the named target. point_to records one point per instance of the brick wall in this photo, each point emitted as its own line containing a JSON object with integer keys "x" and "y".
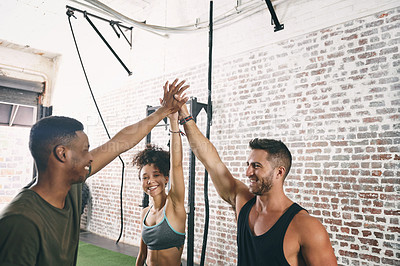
{"x": 16, "y": 163}
{"x": 332, "y": 95}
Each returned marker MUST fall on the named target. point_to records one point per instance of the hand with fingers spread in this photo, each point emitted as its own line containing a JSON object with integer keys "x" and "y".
{"x": 173, "y": 98}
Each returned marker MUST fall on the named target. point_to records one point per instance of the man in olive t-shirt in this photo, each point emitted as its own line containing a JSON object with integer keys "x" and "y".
{"x": 41, "y": 225}
{"x": 45, "y": 229}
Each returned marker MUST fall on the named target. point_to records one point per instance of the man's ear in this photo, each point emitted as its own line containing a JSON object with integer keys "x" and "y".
{"x": 281, "y": 172}
{"x": 59, "y": 153}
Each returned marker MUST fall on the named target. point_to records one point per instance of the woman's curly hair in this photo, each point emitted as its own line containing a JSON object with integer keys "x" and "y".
{"x": 153, "y": 155}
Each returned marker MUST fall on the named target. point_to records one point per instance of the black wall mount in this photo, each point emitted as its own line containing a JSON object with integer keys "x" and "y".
{"x": 113, "y": 24}
{"x": 274, "y": 18}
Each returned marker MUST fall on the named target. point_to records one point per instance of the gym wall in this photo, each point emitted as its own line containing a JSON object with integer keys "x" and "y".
{"x": 331, "y": 94}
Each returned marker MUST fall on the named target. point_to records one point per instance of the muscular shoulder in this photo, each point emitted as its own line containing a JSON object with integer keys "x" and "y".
{"x": 307, "y": 226}
{"x": 313, "y": 239}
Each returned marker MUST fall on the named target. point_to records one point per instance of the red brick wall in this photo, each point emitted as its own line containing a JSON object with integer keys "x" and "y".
{"x": 331, "y": 95}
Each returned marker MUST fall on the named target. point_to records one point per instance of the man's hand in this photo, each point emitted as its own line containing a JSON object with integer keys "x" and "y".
{"x": 183, "y": 112}
{"x": 173, "y": 98}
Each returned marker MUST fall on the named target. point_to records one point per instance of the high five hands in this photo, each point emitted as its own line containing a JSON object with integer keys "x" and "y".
{"x": 174, "y": 97}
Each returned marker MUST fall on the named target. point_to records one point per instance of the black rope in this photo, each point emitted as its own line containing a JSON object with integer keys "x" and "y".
{"x": 71, "y": 13}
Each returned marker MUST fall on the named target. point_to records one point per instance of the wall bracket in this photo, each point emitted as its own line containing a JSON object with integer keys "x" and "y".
{"x": 274, "y": 18}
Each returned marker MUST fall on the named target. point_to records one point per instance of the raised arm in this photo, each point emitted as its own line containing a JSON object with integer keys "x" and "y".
{"x": 177, "y": 191}
{"x": 131, "y": 135}
{"x": 230, "y": 189}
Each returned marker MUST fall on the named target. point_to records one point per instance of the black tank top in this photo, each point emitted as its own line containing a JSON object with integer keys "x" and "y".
{"x": 265, "y": 249}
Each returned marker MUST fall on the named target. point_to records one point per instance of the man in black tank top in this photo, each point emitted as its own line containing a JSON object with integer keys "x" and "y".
{"x": 272, "y": 230}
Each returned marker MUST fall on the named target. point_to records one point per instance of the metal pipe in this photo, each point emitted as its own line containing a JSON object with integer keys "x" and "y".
{"x": 24, "y": 70}
{"x": 209, "y": 121}
{"x": 108, "y": 45}
{"x": 95, "y": 16}
{"x": 191, "y": 193}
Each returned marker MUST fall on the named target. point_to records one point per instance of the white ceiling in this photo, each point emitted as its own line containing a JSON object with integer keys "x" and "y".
{"x": 34, "y": 26}
{"x": 37, "y": 24}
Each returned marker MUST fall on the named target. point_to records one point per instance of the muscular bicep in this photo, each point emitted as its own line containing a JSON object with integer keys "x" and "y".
{"x": 19, "y": 241}
{"x": 315, "y": 245}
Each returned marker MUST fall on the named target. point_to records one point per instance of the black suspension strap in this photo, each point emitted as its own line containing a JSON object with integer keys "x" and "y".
{"x": 69, "y": 14}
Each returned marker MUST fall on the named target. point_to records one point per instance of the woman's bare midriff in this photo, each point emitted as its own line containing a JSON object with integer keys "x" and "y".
{"x": 164, "y": 257}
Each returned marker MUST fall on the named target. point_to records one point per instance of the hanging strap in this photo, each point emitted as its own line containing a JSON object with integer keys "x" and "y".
{"x": 69, "y": 14}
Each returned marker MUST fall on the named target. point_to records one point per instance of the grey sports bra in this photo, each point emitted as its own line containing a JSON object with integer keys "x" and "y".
{"x": 161, "y": 235}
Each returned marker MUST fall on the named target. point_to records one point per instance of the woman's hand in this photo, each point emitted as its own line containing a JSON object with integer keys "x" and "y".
{"x": 174, "y": 97}
{"x": 173, "y": 117}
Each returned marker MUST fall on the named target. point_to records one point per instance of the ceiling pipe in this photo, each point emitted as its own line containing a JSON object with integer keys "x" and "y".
{"x": 240, "y": 11}
{"x": 26, "y": 71}
{"x": 111, "y": 12}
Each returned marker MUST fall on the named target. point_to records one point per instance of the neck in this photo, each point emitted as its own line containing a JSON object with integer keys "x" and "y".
{"x": 159, "y": 201}
{"x": 273, "y": 200}
{"x": 51, "y": 189}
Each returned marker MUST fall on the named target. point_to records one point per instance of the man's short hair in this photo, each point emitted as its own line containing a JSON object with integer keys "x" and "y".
{"x": 47, "y": 133}
{"x": 278, "y": 153}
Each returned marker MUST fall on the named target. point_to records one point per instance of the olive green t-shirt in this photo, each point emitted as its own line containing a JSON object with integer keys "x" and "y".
{"x": 33, "y": 232}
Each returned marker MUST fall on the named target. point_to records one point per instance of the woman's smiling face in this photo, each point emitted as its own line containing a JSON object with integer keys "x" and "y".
{"x": 153, "y": 181}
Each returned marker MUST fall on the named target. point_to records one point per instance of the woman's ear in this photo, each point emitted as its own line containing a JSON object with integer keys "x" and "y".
{"x": 166, "y": 180}
{"x": 59, "y": 153}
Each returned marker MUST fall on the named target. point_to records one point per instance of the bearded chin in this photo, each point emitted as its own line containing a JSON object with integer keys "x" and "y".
{"x": 262, "y": 190}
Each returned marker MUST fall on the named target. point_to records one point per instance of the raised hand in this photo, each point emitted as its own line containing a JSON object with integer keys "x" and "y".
{"x": 173, "y": 98}
{"x": 173, "y": 116}
{"x": 183, "y": 111}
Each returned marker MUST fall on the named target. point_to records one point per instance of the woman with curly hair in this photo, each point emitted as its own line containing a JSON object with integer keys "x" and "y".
{"x": 163, "y": 223}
